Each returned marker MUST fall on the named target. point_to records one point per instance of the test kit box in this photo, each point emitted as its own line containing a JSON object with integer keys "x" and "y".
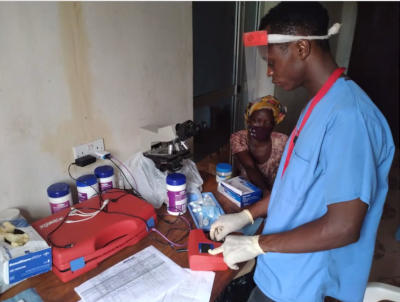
{"x": 240, "y": 191}
{"x": 21, "y": 262}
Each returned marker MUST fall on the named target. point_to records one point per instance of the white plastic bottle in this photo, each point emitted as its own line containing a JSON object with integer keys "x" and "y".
{"x": 59, "y": 196}
{"x": 105, "y": 176}
{"x": 87, "y": 187}
{"x": 176, "y": 191}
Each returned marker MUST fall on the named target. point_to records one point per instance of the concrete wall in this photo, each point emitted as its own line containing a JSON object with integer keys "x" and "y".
{"x": 74, "y": 72}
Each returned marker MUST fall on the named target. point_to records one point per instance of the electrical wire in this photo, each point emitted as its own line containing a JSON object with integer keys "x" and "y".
{"x": 98, "y": 193}
{"x": 49, "y": 240}
{"x": 181, "y": 217}
{"x": 126, "y": 168}
{"x": 135, "y": 192}
{"x": 103, "y": 208}
{"x": 165, "y": 237}
{"x": 171, "y": 243}
{"x": 78, "y": 212}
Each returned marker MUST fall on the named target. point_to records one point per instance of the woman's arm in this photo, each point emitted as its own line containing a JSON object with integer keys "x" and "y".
{"x": 260, "y": 208}
{"x": 253, "y": 173}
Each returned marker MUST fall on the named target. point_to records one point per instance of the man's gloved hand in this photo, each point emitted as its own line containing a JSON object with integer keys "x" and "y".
{"x": 238, "y": 249}
{"x": 226, "y": 224}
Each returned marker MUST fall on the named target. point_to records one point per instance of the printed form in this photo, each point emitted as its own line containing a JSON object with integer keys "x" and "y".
{"x": 196, "y": 288}
{"x": 147, "y": 276}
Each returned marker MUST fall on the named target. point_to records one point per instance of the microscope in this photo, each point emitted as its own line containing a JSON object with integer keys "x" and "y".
{"x": 169, "y": 155}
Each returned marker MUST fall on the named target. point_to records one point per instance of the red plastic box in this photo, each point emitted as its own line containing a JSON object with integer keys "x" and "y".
{"x": 199, "y": 258}
{"x": 89, "y": 242}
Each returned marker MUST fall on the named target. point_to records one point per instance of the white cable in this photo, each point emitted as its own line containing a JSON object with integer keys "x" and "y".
{"x": 277, "y": 38}
{"x": 80, "y": 220}
{"x": 81, "y": 214}
{"x": 77, "y": 212}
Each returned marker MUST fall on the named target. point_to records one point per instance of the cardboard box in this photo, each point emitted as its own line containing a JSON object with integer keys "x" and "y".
{"x": 21, "y": 262}
{"x": 240, "y": 191}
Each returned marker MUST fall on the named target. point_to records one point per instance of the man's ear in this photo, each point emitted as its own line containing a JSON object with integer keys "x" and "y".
{"x": 303, "y": 48}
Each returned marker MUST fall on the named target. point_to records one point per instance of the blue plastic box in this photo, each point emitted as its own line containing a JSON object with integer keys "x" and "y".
{"x": 216, "y": 213}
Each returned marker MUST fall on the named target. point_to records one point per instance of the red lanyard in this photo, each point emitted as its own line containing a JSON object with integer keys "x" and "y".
{"x": 320, "y": 94}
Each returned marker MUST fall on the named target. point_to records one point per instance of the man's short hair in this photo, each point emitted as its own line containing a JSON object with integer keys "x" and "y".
{"x": 291, "y": 18}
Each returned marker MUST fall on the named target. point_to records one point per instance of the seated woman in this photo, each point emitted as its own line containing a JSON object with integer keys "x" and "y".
{"x": 258, "y": 149}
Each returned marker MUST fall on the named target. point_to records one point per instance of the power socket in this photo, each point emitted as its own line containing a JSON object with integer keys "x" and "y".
{"x": 88, "y": 148}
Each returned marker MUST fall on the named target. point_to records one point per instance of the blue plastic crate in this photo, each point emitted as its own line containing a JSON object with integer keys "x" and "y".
{"x": 210, "y": 219}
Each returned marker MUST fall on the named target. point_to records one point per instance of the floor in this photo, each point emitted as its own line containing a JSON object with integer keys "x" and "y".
{"x": 386, "y": 263}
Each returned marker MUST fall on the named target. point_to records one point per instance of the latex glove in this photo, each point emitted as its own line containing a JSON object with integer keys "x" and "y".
{"x": 238, "y": 249}
{"x": 226, "y": 224}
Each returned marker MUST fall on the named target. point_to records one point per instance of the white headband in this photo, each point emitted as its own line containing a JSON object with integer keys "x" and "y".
{"x": 277, "y": 38}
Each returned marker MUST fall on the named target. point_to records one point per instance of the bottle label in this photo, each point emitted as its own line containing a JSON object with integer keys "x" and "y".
{"x": 220, "y": 177}
{"x": 82, "y": 196}
{"x": 55, "y": 207}
{"x": 177, "y": 202}
{"x": 104, "y": 186}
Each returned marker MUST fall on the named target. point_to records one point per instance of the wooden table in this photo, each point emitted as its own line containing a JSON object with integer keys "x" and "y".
{"x": 50, "y": 288}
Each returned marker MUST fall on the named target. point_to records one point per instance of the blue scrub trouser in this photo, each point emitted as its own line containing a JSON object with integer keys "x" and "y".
{"x": 257, "y": 295}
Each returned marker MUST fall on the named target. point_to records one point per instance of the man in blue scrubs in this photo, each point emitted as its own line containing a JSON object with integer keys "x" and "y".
{"x": 326, "y": 203}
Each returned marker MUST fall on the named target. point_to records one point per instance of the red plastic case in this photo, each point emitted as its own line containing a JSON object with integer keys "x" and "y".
{"x": 203, "y": 261}
{"x": 98, "y": 238}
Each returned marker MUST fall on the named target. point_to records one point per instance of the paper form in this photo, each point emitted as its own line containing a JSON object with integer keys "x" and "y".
{"x": 196, "y": 288}
{"x": 146, "y": 276}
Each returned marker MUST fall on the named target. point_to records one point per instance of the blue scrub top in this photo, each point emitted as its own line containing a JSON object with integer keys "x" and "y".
{"x": 344, "y": 152}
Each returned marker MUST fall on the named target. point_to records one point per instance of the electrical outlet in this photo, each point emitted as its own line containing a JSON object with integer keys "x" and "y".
{"x": 88, "y": 148}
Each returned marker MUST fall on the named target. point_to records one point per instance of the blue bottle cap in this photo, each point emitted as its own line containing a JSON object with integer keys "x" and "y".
{"x": 58, "y": 189}
{"x": 176, "y": 179}
{"x": 86, "y": 180}
{"x": 224, "y": 167}
{"x": 104, "y": 171}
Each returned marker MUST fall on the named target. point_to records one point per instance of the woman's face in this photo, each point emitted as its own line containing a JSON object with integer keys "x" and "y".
{"x": 261, "y": 123}
{"x": 262, "y": 118}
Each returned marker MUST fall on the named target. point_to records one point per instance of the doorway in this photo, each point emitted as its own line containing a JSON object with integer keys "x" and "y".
{"x": 374, "y": 61}
{"x": 217, "y": 71}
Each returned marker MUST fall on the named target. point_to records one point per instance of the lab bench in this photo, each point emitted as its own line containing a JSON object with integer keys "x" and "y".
{"x": 51, "y": 288}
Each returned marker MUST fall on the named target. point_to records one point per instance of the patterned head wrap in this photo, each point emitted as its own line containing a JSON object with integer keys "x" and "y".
{"x": 267, "y": 102}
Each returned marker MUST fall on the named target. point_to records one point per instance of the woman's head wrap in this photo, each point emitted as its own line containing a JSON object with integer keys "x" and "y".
{"x": 267, "y": 102}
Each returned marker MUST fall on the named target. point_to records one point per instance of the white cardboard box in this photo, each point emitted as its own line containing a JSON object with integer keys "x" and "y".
{"x": 240, "y": 191}
{"x": 19, "y": 263}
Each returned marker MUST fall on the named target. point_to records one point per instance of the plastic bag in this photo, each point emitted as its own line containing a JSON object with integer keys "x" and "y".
{"x": 151, "y": 182}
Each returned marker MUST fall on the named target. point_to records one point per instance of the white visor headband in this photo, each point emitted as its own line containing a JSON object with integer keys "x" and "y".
{"x": 262, "y": 38}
